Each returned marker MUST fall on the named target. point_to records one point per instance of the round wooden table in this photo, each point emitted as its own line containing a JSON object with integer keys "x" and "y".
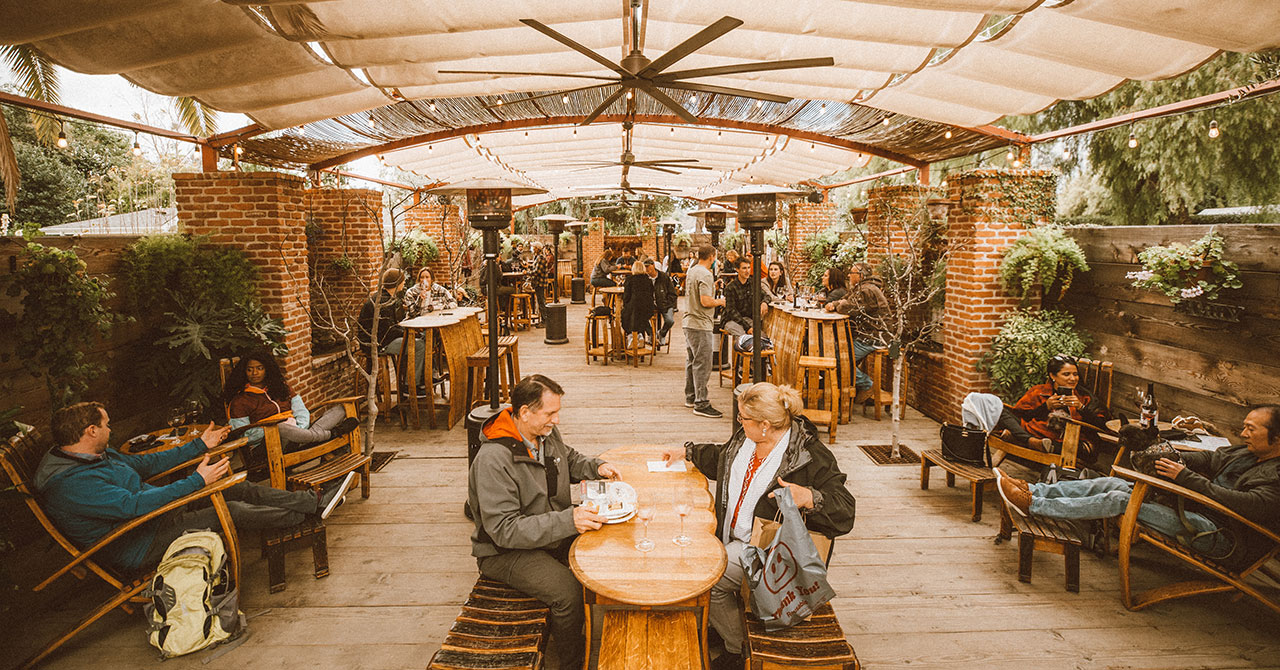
{"x": 612, "y": 298}
{"x": 445, "y": 325}
{"x": 167, "y": 439}
{"x": 616, "y": 576}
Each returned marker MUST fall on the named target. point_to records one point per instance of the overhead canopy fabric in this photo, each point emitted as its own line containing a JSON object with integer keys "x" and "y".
{"x": 959, "y": 62}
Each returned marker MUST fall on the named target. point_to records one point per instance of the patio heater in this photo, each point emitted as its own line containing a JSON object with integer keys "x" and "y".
{"x": 757, "y": 210}
{"x": 553, "y": 314}
{"x": 578, "y": 288}
{"x": 668, "y": 228}
{"x": 713, "y": 218}
{"x": 488, "y": 211}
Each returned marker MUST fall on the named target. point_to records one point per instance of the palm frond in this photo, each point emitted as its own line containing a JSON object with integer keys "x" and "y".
{"x": 8, "y": 167}
{"x": 195, "y": 117}
{"x": 37, "y": 78}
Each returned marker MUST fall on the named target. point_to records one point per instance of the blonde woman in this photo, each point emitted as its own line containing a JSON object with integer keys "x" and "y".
{"x": 776, "y": 447}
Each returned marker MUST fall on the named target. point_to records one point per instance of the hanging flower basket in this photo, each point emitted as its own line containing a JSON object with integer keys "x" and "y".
{"x": 1184, "y": 272}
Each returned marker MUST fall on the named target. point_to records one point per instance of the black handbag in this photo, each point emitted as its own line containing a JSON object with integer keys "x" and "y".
{"x": 964, "y": 445}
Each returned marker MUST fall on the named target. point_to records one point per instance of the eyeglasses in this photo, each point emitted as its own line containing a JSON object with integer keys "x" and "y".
{"x": 1063, "y": 358}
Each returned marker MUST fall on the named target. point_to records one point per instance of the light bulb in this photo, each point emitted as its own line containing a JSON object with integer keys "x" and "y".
{"x": 822, "y": 107}
{"x": 499, "y": 102}
{"x": 885, "y": 122}
{"x": 62, "y": 139}
{"x": 1213, "y": 129}
{"x": 239, "y": 150}
{"x": 759, "y": 104}
{"x": 673, "y": 130}
{"x": 1008, "y": 157}
{"x": 564, "y": 99}
{"x": 811, "y": 148}
{"x": 947, "y": 134}
{"x": 1017, "y": 162}
{"x": 693, "y": 100}
{"x": 137, "y": 148}
{"x": 1133, "y": 141}
{"x": 431, "y": 106}
{"x": 629, "y": 94}
{"x": 1066, "y": 153}
{"x": 372, "y": 123}
{"x": 430, "y": 148}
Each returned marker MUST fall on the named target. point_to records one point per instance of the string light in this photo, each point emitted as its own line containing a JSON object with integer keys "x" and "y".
{"x": 1008, "y": 157}
{"x": 137, "y": 148}
{"x": 1213, "y": 129}
{"x": 431, "y": 106}
{"x": 1133, "y": 141}
{"x": 693, "y": 99}
{"x": 759, "y": 104}
{"x": 811, "y": 147}
{"x": 372, "y": 123}
{"x": 629, "y": 93}
{"x": 947, "y": 134}
{"x": 239, "y": 150}
{"x": 430, "y": 148}
{"x": 885, "y": 122}
{"x": 62, "y": 136}
{"x": 564, "y": 99}
{"x": 1017, "y": 162}
{"x": 822, "y": 107}
{"x": 499, "y": 102}
{"x": 1066, "y": 153}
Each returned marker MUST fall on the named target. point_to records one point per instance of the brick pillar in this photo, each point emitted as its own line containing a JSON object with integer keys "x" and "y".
{"x": 442, "y": 222}
{"x": 890, "y": 210}
{"x": 989, "y": 213}
{"x": 263, "y": 215}
{"x": 648, "y": 225}
{"x": 592, "y": 246}
{"x": 345, "y": 223}
{"x": 807, "y": 219}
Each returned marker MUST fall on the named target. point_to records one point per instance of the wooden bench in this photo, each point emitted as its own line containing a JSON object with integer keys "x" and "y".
{"x": 1059, "y": 536}
{"x": 277, "y": 542}
{"x": 977, "y": 475}
{"x": 499, "y": 628}
{"x": 816, "y": 643}
{"x": 650, "y": 640}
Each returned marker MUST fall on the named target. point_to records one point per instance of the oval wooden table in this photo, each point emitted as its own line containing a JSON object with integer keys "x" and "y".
{"x": 810, "y": 332}
{"x": 446, "y": 324}
{"x": 619, "y": 579}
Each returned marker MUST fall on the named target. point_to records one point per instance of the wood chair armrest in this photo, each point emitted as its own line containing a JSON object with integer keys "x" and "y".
{"x": 1184, "y": 492}
{"x": 224, "y": 448}
{"x": 1086, "y": 424}
{"x": 268, "y": 422}
{"x": 215, "y": 488}
{"x": 339, "y": 401}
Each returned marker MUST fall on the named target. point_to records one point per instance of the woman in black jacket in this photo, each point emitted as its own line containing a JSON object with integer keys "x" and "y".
{"x": 637, "y": 302}
{"x": 776, "y": 447}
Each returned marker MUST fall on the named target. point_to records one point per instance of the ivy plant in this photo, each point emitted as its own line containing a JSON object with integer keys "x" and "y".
{"x": 416, "y": 248}
{"x": 1026, "y": 341}
{"x": 63, "y": 313}
{"x": 825, "y": 250}
{"x": 1045, "y": 257}
{"x": 1183, "y": 271}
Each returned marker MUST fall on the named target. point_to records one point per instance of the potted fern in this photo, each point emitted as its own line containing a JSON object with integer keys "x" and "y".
{"x": 1183, "y": 272}
{"x": 1047, "y": 258}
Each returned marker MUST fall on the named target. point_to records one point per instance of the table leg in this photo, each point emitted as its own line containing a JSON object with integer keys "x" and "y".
{"x": 428, "y": 374}
{"x": 409, "y": 351}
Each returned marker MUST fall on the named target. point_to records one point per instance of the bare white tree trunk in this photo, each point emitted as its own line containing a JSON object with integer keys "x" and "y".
{"x": 895, "y": 410}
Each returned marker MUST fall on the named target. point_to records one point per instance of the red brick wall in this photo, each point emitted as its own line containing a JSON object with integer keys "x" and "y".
{"x": 806, "y": 220}
{"x": 345, "y": 222}
{"x": 985, "y": 219}
{"x": 592, "y": 246}
{"x": 885, "y": 206}
{"x": 429, "y": 215}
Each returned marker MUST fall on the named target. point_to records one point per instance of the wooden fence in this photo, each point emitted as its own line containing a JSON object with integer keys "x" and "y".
{"x": 1204, "y": 366}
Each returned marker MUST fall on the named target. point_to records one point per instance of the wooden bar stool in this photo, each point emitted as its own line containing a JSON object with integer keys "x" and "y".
{"x": 638, "y": 349}
{"x": 477, "y": 372}
{"x": 388, "y": 390}
{"x": 875, "y": 365}
{"x": 596, "y": 337}
{"x": 818, "y": 387}
{"x": 521, "y": 307}
{"x": 742, "y": 366}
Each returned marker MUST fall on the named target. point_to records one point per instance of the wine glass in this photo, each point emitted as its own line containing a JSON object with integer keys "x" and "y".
{"x": 645, "y": 514}
{"x": 192, "y": 415}
{"x": 683, "y": 508}
{"x": 176, "y": 416}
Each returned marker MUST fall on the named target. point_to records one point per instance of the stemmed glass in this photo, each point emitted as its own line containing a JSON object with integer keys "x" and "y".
{"x": 176, "y": 416}
{"x": 683, "y": 507}
{"x": 645, "y": 514}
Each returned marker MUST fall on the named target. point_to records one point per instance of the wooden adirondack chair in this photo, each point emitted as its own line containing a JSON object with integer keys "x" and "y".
{"x": 1095, "y": 378}
{"x": 1219, "y": 578}
{"x": 19, "y": 462}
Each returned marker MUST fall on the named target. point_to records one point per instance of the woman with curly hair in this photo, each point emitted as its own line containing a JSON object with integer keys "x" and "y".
{"x": 256, "y": 390}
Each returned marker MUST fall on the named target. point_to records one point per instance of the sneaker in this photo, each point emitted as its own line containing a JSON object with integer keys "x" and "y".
{"x": 1015, "y": 498}
{"x": 708, "y": 411}
{"x": 348, "y": 424}
{"x": 335, "y": 495}
{"x": 690, "y": 404}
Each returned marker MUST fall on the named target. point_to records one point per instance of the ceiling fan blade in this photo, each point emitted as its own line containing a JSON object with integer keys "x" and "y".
{"x": 725, "y": 90}
{"x": 662, "y": 164}
{"x": 603, "y": 106}
{"x": 563, "y": 39}
{"x": 699, "y": 40}
{"x": 745, "y": 67}
{"x": 668, "y": 102}
{"x": 528, "y": 74}
{"x": 656, "y": 169}
{"x": 555, "y": 94}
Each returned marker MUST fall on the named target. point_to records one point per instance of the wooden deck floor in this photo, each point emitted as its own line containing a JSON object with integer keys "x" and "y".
{"x": 919, "y": 584}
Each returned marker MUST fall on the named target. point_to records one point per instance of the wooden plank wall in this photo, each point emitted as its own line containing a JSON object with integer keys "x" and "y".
{"x": 1214, "y": 369}
{"x": 130, "y": 409}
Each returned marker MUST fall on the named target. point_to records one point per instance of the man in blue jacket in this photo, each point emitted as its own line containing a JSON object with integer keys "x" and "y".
{"x": 88, "y": 490}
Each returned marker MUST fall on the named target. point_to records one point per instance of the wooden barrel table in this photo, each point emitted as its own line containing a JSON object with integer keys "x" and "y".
{"x": 810, "y": 332}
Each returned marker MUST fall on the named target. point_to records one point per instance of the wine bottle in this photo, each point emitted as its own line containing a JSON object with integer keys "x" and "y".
{"x": 1150, "y": 416}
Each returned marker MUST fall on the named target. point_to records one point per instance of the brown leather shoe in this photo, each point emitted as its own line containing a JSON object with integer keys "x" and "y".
{"x": 861, "y": 397}
{"x": 1016, "y": 498}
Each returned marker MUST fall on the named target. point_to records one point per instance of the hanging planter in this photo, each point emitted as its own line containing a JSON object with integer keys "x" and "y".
{"x": 1184, "y": 272}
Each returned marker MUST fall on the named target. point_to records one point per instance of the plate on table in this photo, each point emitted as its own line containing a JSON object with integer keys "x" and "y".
{"x": 616, "y": 503}
{"x": 621, "y": 519}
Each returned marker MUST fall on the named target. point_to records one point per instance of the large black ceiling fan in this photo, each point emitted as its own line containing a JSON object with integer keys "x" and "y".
{"x": 668, "y": 165}
{"x": 637, "y": 72}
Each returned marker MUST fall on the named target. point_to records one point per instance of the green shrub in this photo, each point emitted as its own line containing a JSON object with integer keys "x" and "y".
{"x": 1045, "y": 256}
{"x": 826, "y": 250}
{"x": 202, "y": 304}
{"x": 1027, "y": 341}
{"x": 416, "y": 248}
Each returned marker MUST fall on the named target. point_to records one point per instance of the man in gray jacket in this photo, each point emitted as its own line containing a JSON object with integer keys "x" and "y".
{"x": 518, "y": 494}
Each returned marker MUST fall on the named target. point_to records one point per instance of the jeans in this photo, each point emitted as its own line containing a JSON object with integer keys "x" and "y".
{"x": 724, "y": 613}
{"x": 295, "y": 437}
{"x": 251, "y": 506}
{"x": 1105, "y": 497}
{"x": 698, "y": 345}
{"x": 603, "y": 282}
{"x": 540, "y": 575}
{"x": 668, "y": 320}
{"x": 735, "y": 331}
{"x": 862, "y": 380}
{"x": 419, "y": 355}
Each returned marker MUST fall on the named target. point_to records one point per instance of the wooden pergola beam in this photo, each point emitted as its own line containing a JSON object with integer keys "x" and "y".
{"x": 862, "y": 179}
{"x": 72, "y": 113}
{"x": 671, "y": 119}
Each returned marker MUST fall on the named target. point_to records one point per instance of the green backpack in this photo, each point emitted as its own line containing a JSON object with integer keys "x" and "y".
{"x": 192, "y": 604}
